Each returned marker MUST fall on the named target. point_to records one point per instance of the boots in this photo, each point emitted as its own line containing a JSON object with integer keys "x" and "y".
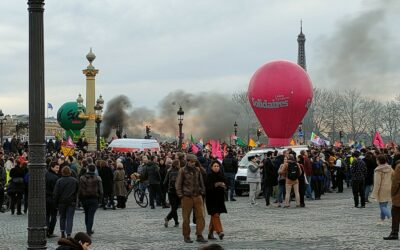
{"x": 211, "y": 236}
{"x": 201, "y": 239}
{"x": 392, "y": 236}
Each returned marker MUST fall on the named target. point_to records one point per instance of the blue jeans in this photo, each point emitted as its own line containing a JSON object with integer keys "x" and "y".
{"x": 90, "y": 207}
{"x": 385, "y": 212}
{"x": 308, "y": 188}
{"x": 230, "y": 177}
{"x": 281, "y": 193}
{"x": 368, "y": 190}
{"x": 67, "y": 213}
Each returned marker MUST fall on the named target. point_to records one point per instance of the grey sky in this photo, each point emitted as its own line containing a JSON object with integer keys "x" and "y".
{"x": 147, "y": 49}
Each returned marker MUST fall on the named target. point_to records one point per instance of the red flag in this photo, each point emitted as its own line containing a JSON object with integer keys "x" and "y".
{"x": 195, "y": 149}
{"x": 377, "y": 141}
{"x": 216, "y": 149}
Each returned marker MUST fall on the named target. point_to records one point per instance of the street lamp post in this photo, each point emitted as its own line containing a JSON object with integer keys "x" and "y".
{"x": 98, "y": 108}
{"x": 37, "y": 146}
{"x": 2, "y": 119}
{"x": 180, "y": 114}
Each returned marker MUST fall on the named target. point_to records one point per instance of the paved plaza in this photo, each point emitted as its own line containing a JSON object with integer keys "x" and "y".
{"x": 331, "y": 223}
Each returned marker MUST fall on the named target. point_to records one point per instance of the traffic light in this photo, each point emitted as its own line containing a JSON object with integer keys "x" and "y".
{"x": 258, "y": 133}
{"x": 148, "y": 131}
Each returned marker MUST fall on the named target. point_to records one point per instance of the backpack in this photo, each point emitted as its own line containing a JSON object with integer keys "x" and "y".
{"x": 90, "y": 187}
{"x": 293, "y": 171}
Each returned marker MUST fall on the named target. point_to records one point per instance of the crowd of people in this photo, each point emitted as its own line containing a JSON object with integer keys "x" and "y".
{"x": 200, "y": 182}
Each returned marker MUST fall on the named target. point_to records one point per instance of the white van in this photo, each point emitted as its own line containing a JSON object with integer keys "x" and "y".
{"x": 241, "y": 184}
{"x": 134, "y": 145}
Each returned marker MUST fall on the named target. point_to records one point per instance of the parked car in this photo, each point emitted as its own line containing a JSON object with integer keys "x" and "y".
{"x": 241, "y": 185}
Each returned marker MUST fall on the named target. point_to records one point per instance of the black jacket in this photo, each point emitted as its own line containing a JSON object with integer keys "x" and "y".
{"x": 269, "y": 174}
{"x": 151, "y": 172}
{"x": 65, "y": 191}
{"x": 51, "y": 180}
{"x": 230, "y": 164}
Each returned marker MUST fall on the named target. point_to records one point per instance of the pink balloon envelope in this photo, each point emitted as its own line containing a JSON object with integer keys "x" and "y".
{"x": 280, "y": 93}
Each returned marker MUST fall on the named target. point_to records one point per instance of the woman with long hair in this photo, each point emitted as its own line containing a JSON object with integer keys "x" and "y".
{"x": 215, "y": 199}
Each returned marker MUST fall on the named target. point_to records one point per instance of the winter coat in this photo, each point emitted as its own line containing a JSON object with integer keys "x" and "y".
{"x": 269, "y": 174}
{"x": 69, "y": 244}
{"x": 189, "y": 182}
{"x": 90, "y": 186}
{"x": 382, "y": 183}
{"x": 358, "y": 170}
{"x": 396, "y": 186}
{"x": 215, "y": 196}
{"x": 371, "y": 165}
{"x": 107, "y": 177}
{"x": 253, "y": 173}
{"x": 15, "y": 184}
{"x": 51, "y": 180}
{"x": 119, "y": 182}
{"x": 170, "y": 180}
{"x": 66, "y": 190}
{"x": 151, "y": 172}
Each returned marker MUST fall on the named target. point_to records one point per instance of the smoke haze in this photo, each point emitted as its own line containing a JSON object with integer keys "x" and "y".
{"x": 363, "y": 52}
{"x": 207, "y": 115}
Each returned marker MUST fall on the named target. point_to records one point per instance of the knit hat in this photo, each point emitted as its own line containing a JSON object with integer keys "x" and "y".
{"x": 191, "y": 157}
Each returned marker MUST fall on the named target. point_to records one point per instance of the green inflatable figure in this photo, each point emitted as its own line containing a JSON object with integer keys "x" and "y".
{"x": 67, "y": 117}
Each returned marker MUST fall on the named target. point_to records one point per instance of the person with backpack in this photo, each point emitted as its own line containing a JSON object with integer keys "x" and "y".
{"x": 64, "y": 196}
{"x": 292, "y": 172}
{"x": 169, "y": 184}
{"x": 90, "y": 191}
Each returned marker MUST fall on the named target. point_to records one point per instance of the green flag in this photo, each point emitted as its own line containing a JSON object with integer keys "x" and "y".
{"x": 191, "y": 138}
{"x": 240, "y": 142}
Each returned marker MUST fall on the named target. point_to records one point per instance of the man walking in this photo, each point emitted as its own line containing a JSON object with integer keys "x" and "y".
{"x": 90, "y": 191}
{"x": 230, "y": 165}
{"x": 358, "y": 172}
{"x": 51, "y": 178}
{"x": 190, "y": 188}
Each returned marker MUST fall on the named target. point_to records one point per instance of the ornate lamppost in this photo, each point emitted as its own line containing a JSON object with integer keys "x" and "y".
{"x": 37, "y": 146}
{"x": 98, "y": 108}
{"x": 180, "y": 114}
{"x": 235, "y": 126}
{"x": 2, "y": 119}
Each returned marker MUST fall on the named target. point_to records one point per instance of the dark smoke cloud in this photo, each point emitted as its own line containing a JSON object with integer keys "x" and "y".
{"x": 207, "y": 116}
{"x": 363, "y": 52}
{"x": 115, "y": 114}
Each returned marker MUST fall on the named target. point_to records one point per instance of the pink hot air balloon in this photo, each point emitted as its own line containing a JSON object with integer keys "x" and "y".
{"x": 280, "y": 93}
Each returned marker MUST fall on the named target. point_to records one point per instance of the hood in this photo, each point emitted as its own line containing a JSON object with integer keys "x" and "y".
{"x": 385, "y": 168}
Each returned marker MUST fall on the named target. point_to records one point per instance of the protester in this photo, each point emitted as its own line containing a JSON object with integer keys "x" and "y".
{"x": 151, "y": 173}
{"x": 81, "y": 241}
{"x": 169, "y": 185}
{"x": 16, "y": 188}
{"x": 382, "y": 187}
{"x": 190, "y": 188}
{"x": 64, "y": 195}
{"x": 51, "y": 178}
{"x": 230, "y": 167}
{"x": 395, "y": 193}
{"x": 120, "y": 186}
{"x": 253, "y": 178}
{"x": 215, "y": 199}
{"x": 270, "y": 177}
{"x": 292, "y": 172}
{"x": 90, "y": 191}
{"x": 358, "y": 172}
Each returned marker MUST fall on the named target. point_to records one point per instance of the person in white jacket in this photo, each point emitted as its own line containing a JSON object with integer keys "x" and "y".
{"x": 254, "y": 178}
{"x": 382, "y": 187}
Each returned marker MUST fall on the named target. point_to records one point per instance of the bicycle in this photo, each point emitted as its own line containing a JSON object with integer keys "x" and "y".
{"x": 140, "y": 196}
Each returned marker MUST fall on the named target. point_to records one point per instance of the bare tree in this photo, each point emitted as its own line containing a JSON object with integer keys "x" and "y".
{"x": 389, "y": 119}
{"x": 245, "y": 113}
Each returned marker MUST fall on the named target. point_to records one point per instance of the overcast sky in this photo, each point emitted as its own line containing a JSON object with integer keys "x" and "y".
{"x": 148, "y": 48}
